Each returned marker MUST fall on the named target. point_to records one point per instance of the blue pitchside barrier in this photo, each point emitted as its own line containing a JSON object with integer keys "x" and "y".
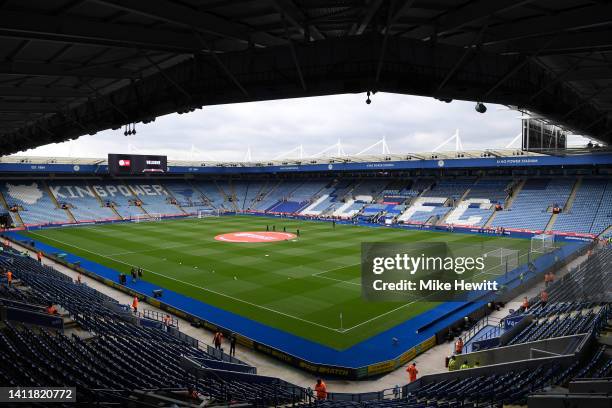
{"x": 374, "y": 356}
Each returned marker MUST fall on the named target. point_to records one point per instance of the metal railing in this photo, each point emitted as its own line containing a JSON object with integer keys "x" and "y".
{"x": 158, "y": 316}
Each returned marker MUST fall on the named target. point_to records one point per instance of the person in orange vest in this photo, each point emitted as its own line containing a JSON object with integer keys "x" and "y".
{"x": 135, "y": 304}
{"x": 218, "y": 340}
{"x": 412, "y": 372}
{"x": 544, "y": 298}
{"x": 9, "y": 277}
{"x": 459, "y": 346}
{"x": 193, "y": 393}
{"x": 525, "y": 305}
{"x": 39, "y": 256}
{"x": 51, "y": 309}
{"x": 321, "y": 389}
{"x": 167, "y": 321}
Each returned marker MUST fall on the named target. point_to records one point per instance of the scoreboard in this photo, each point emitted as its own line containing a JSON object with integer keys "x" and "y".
{"x": 540, "y": 136}
{"x": 126, "y": 164}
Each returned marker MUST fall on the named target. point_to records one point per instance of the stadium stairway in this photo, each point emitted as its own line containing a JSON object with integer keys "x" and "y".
{"x": 14, "y": 215}
{"x": 102, "y": 204}
{"x": 551, "y": 222}
{"x": 71, "y": 216}
{"x": 515, "y": 193}
{"x": 567, "y": 207}
{"x": 201, "y": 193}
{"x": 572, "y": 196}
{"x": 260, "y": 192}
{"x": 226, "y": 198}
{"x": 171, "y": 195}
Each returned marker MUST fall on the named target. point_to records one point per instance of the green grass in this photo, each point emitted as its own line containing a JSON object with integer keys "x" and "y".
{"x": 301, "y": 286}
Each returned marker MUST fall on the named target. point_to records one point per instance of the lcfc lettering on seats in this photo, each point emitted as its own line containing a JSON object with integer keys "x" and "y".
{"x": 434, "y": 285}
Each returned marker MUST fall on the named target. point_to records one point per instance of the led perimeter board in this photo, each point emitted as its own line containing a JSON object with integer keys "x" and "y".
{"x": 127, "y": 164}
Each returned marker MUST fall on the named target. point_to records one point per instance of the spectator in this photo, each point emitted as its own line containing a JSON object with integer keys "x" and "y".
{"x": 218, "y": 340}
{"x": 193, "y": 393}
{"x": 321, "y": 389}
{"x": 233, "y": 344}
{"x": 135, "y": 304}
{"x": 459, "y": 346}
{"x": 9, "y": 278}
{"x": 412, "y": 372}
{"x": 525, "y": 305}
{"x": 39, "y": 256}
{"x": 51, "y": 309}
{"x": 78, "y": 279}
{"x": 544, "y": 298}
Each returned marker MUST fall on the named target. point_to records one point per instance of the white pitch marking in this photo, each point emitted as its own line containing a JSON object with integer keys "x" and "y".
{"x": 195, "y": 286}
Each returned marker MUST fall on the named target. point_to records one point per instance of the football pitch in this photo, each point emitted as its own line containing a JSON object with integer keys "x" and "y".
{"x": 301, "y": 285}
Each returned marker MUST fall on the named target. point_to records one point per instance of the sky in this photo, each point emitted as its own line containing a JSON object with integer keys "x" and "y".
{"x": 274, "y": 129}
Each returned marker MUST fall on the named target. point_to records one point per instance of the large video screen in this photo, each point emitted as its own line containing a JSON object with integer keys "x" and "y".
{"x": 539, "y": 136}
{"x": 127, "y": 164}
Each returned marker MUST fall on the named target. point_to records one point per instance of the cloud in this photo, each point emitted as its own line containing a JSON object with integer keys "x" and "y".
{"x": 224, "y": 132}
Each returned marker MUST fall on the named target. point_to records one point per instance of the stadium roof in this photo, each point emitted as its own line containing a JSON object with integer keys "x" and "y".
{"x": 75, "y": 67}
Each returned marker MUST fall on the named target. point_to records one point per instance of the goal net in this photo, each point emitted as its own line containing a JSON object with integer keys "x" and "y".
{"x": 208, "y": 213}
{"x": 542, "y": 243}
{"x": 501, "y": 260}
{"x": 147, "y": 217}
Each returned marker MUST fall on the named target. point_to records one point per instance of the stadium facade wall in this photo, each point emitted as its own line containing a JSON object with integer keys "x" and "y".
{"x": 515, "y": 161}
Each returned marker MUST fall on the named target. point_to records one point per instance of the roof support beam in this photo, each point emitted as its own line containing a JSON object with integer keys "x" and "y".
{"x": 297, "y": 19}
{"x": 173, "y": 12}
{"x": 586, "y": 17}
{"x": 370, "y": 11}
{"x": 81, "y": 31}
{"x": 589, "y": 74}
{"x": 330, "y": 66}
{"x": 38, "y": 107}
{"x": 475, "y": 12}
{"x": 566, "y": 43}
{"x": 42, "y": 92}
{"x": 63, "y": 70}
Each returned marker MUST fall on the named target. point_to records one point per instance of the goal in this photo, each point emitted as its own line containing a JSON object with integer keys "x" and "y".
{"x": 147, "y": 217}
{"x": 542, "y": 243}
{"x": 208, "y": 213}
{"x": 501, "y": 260}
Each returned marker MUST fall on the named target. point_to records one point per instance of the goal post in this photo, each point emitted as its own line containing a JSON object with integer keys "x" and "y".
{"x": 542, "y": 243}
{"x": 147, "y": 217}
{"x": 206, "y": 213}
{"x": 501, "y": 260}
